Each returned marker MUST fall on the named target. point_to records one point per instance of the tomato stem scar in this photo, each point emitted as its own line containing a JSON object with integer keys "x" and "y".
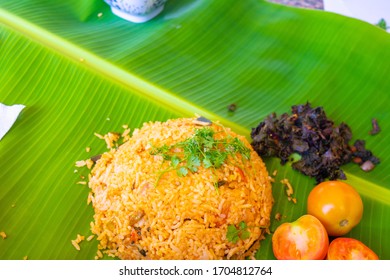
{"x": 343, "y": 222}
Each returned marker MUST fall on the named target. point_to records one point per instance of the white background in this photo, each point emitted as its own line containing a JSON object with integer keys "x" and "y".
{"x": 109, "y": 270}
{"x": 367, "y": 10}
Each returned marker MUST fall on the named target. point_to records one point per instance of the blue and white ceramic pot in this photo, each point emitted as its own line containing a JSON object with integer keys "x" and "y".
{"x": 136, "y": 10}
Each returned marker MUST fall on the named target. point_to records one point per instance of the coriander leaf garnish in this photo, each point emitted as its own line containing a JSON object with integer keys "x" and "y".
{"x": 182, "y": 171}
{"x": 234, "y": 233}
{"x": 202, "y": 149}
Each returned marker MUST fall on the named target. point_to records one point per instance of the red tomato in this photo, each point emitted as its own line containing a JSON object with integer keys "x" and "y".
{"x": 345, "y": 248}
{"x": 337, "y": 205}
{"x": 303, "y": 239}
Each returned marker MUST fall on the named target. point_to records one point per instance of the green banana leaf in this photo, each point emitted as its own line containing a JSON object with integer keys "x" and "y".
{"x": 79, "y": 70}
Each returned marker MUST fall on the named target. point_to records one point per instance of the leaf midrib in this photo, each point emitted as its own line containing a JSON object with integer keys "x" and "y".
{"x": 134, "y": 83}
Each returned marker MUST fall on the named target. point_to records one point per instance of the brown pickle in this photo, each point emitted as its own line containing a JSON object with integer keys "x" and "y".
{"x": 322, "y": 146}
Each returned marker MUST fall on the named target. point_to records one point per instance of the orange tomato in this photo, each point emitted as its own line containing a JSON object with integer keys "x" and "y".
{"x": 345, "y": 248}
{"x": 303, "y": 239}
{"x": 337, "y": 205}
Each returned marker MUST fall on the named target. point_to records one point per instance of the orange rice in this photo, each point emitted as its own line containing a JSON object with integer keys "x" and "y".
{"x": 178, "y": 217}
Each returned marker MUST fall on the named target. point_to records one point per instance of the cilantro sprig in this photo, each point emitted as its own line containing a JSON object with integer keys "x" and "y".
{"x": 234, "y": 233}
{"x": 202, "y": 149}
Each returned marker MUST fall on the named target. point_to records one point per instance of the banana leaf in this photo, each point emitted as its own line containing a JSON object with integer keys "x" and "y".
{"x": 79, "y": 70}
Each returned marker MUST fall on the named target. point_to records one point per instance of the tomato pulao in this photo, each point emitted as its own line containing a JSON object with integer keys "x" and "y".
{"x": 173, "y": 189}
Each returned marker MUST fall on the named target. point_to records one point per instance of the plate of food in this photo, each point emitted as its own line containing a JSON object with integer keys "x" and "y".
{"x": 195, "y": 135}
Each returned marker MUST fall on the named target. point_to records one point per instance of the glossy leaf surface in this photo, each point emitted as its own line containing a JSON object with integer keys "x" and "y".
{"x": 80, "y": 70}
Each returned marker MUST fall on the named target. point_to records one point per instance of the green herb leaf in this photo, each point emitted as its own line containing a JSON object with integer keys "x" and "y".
{"x": 245, "y": 234}
{"x": 207, "y": 163}
{"x": 182, "y": 171}
{"x": 218, "y": 159}
{"x": 242, "y": 225}
{"x": 193, "y": 162}
{"x": 202, "y": 148}
{"x": 175, "y": 161}
{"x": 233, "y": 234}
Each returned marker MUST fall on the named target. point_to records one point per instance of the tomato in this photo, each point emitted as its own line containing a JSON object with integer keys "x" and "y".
{"x": 303, "y": 239}
{"x": 337, "y": 205}
{"x": 345, "y": 248}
